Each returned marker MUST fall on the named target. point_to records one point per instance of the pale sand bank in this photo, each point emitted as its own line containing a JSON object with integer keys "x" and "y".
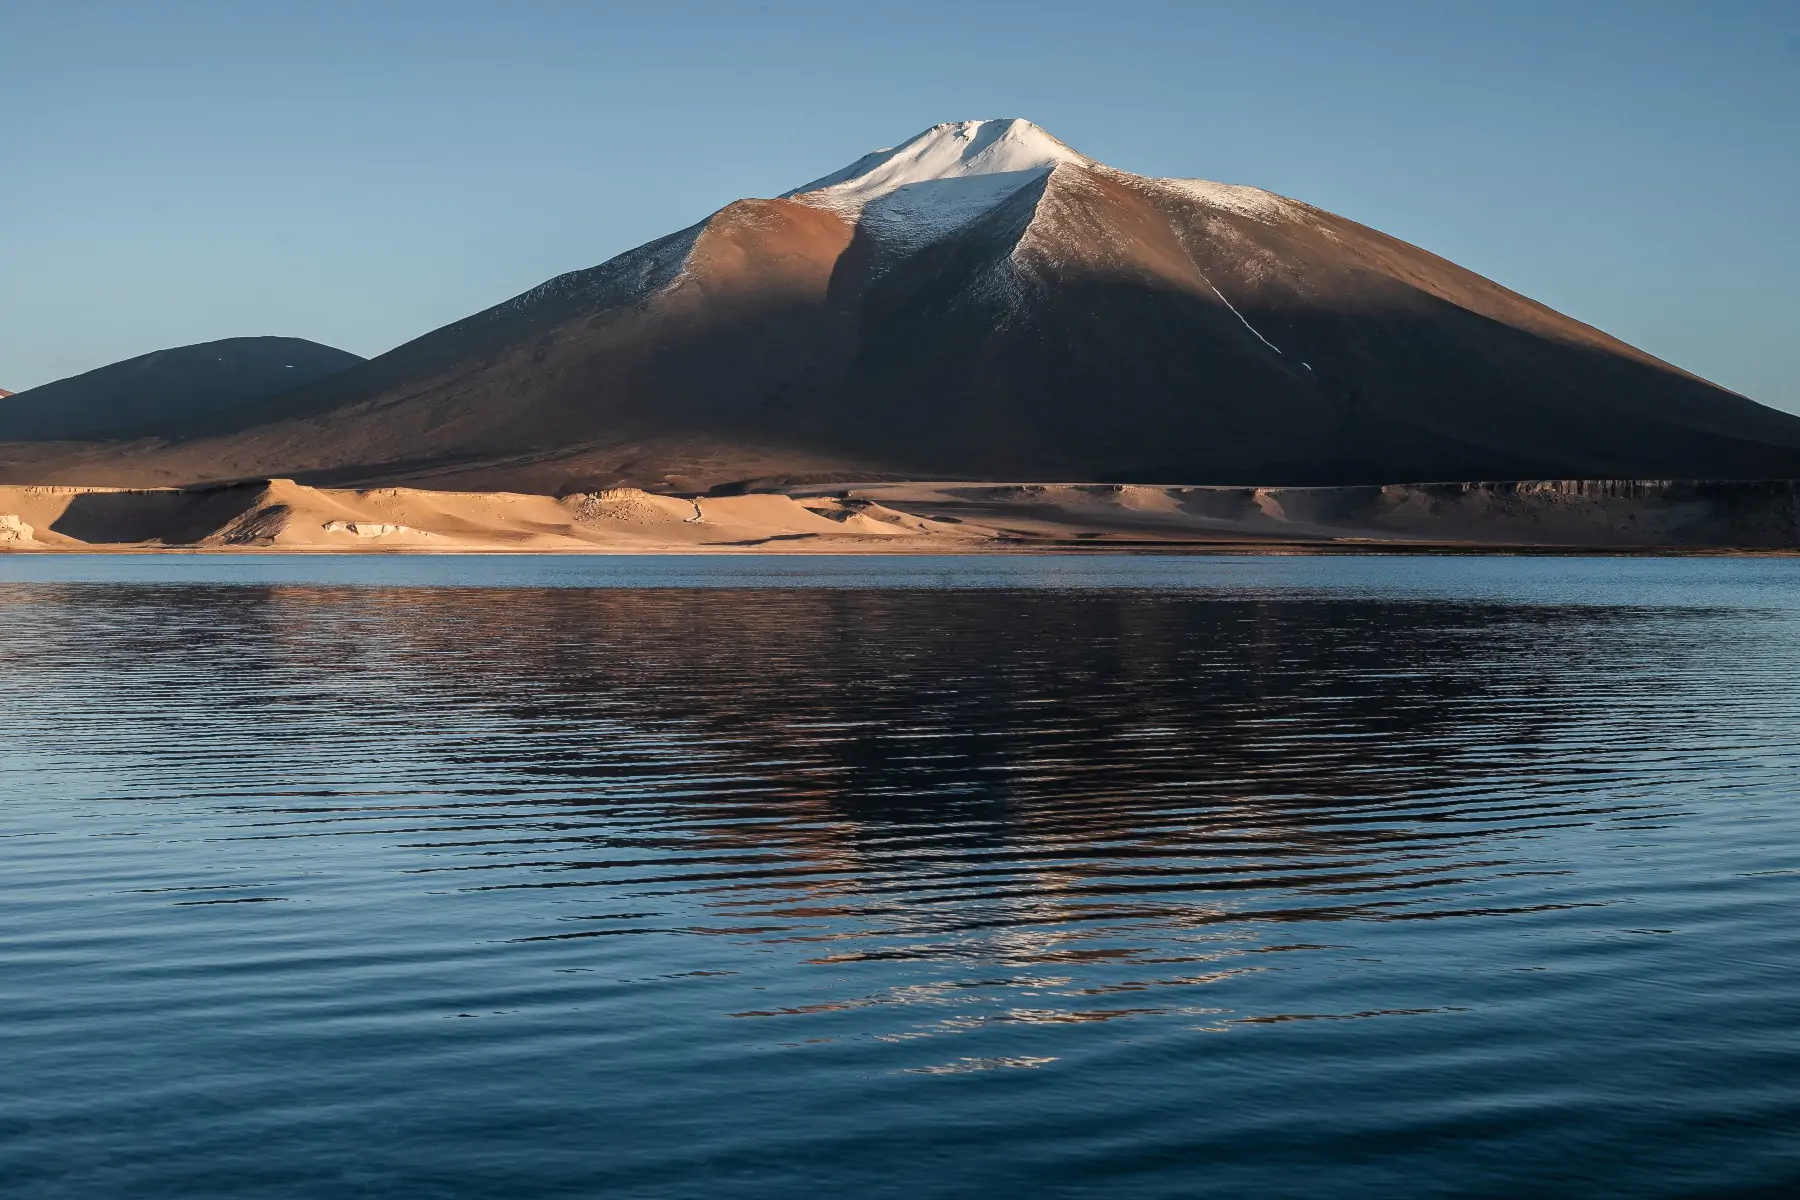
{"x": 938, "y": 517}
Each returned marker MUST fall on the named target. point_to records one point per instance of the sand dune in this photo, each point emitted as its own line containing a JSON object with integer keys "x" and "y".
{"x": 281, "y": 515}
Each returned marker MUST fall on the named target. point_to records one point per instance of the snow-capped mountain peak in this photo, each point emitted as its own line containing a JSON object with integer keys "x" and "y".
{"x": 953, "y": 150}
{"x": 931, "y": 185}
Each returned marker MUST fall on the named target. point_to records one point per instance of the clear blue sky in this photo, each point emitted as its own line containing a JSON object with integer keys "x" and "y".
{"x": 359, "y": 173}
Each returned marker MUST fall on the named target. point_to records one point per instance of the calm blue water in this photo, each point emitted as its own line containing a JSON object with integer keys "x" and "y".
{"x": 1137, "y": 877}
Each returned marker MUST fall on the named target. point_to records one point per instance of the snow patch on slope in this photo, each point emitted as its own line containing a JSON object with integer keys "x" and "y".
{"x": 1235, "y": 198}
{"x": 633, "y": 275}
{"x": 939, "y": 182}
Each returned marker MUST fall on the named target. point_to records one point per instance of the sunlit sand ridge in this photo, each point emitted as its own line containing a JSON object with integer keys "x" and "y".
{"x": 910, "y": 517}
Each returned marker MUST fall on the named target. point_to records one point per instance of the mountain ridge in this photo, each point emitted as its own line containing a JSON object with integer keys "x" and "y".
{"x": 162, "y": 391}
{"x": 981, "y": 301}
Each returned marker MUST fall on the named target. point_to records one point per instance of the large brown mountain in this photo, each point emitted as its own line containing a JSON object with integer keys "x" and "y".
{"x": 983, "y": 302}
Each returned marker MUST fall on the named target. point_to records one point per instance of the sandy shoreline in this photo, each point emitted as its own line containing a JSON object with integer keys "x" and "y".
{"x": 937, "y": 517}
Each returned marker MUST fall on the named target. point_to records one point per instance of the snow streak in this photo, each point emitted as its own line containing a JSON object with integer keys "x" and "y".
{"x": 1240, "y": 316}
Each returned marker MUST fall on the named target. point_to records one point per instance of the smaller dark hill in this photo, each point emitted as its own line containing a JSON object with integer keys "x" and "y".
{"x": 155, "y": 394}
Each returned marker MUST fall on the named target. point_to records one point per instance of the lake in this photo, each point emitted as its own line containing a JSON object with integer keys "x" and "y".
{"x": 899, "y": 877}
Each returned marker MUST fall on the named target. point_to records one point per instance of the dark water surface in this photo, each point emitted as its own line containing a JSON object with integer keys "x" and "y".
{"x": 900, "y": 877}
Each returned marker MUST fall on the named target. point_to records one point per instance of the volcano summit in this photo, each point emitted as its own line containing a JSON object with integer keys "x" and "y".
{"x": 983, "y": 302}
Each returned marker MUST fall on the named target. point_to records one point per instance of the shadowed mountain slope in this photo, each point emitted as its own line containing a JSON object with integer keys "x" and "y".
{"x": 160, "y": 393}
{"x": 984, "y": 302}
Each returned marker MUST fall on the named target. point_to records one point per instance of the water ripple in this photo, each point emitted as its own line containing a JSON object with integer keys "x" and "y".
{"x": 1437, "y": 887}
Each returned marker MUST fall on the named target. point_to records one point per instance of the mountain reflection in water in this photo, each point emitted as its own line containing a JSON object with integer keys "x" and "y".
{"x": 446, "y": 891}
